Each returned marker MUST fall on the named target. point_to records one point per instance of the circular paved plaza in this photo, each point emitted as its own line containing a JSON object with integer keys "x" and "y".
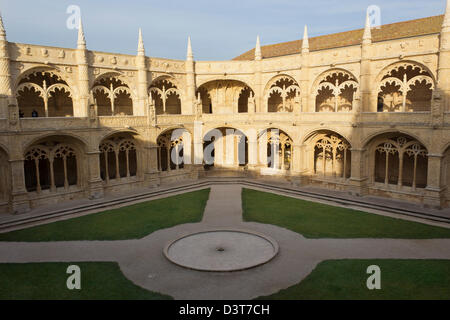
{"x": 273, "y": 258}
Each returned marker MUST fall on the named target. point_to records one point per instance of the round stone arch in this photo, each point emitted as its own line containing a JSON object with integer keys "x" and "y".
{"x": 136, "y": 136}
{"x": 176, "y": 89}
{"x": 396, "y": 157}
{"x": 327, "y": 154}
{"x": 328, "y": 72}
{"x": 386, "y": 69}
{"x": 308, "y": 134}
{"x": 353, "y": 80}
{"x": 127, "y": 84}
{"x": 55, "y": 97}
{"x": 80, "y": 141}
{"x": 240, "y": 99}
{"x": 243, "y": 79}
{"x": 116, "y": 74}
{"x": 121, "y": 155}
{"x": 168, "y": 77}
{"x": 292, "y": 91}
{"x": 395, "y": 66}
{"x": 52, "y": 143}
{"x": 275, "y": 150}
{"x": 367, "y": 140}
{"x": 47, "y": 68}
{"x": 221, "y": 151}
{"x": 174, "y": 152}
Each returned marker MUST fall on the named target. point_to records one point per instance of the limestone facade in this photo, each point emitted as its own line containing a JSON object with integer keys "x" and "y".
{"x": 371, "y": 118}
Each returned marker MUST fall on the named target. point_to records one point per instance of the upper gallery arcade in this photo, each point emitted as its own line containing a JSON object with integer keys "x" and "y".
{"x": 365, "y": 111}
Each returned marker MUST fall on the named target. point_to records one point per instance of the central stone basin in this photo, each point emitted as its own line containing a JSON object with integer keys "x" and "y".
{"x": 221, "y": 250}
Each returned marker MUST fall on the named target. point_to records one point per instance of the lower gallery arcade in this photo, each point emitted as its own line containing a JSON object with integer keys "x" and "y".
{"x": 395, "y": 164}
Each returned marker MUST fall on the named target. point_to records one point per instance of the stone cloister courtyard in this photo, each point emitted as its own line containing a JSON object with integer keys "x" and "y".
{"x": 312, "y": 169}
{"x": 227, "y": 241}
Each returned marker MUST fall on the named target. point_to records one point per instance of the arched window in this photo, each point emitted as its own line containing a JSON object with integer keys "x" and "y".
{"x": 275, "y": 149}
{"x": 165, "y": 97}
{"x": 118, "y": 158}
{"x": 401, "y": 161}
{"x": 225, "y": 96}
{"x": 225, "y": 147}
{"x": 405, "y": 87}
{"x": 50, "y": 166}
{"x": 336, "y": 92}
{"x": 332, "y": 156}
{"x": 170, "y": 152}
{"x": 282, "y": 95}
{"x": 44, "y": 94}
{"x": 113, "y": 97}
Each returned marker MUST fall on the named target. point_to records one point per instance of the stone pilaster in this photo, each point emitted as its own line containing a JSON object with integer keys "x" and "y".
{"x": 151, "y": 174}
{"x": 434, "y": 193}
{"x": 19, "y": 197}
{"x": 358, "y": 179}
{"x": 95, "y": 183}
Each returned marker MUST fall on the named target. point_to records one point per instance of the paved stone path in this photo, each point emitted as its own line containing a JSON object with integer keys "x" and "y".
{"x": 142, "y": 260}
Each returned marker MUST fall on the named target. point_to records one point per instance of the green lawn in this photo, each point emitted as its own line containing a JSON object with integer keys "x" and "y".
{"x": 346, "y": 280}
{"x": 99, "y": 280}
{"x": 132, "y": 222}
{"x": 315, "y": 220}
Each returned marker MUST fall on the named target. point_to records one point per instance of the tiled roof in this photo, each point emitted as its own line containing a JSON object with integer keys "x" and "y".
{"x": 392, "y": 31}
